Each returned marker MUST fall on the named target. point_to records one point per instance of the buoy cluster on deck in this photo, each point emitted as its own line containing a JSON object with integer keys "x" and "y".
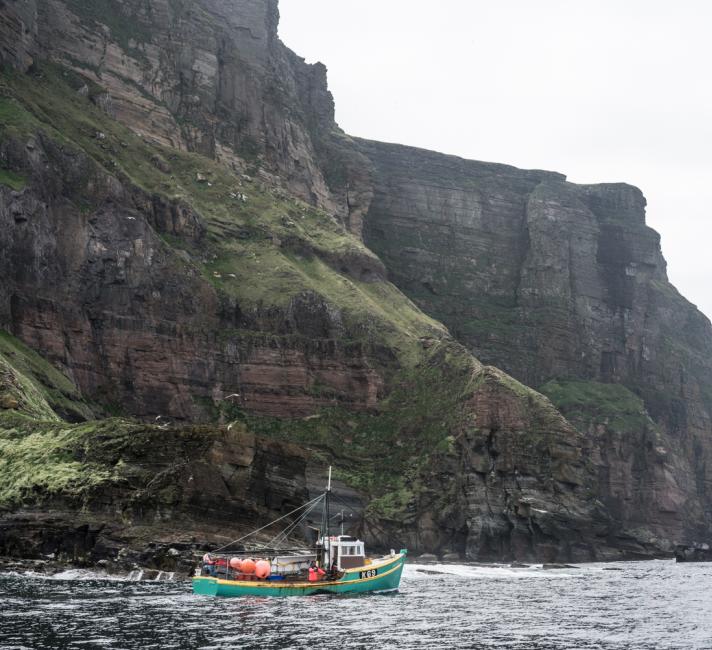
{"x": 237, "y": 568}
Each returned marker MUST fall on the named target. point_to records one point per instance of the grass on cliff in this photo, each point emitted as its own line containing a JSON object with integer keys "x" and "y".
{"x": 383, "y": 452}
{"x": 12, "y": 179}
{"x": 37, "y": 460}
{"x": 588, "y": 403}
{"x": 262, "y": 246}
{"x": 42, "y": 459}
{"x": 39, "y": 389}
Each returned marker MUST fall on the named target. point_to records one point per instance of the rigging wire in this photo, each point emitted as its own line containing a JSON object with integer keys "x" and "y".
{"x": 254, "y": 532}
{"x": 283, "y": 536}
{"x": 287, "y": 531}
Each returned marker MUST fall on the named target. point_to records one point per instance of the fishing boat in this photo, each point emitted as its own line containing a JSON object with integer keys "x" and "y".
{"x": 335, "y": 564}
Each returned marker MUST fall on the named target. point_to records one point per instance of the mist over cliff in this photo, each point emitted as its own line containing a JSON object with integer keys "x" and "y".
{"x": 492, "y": 358}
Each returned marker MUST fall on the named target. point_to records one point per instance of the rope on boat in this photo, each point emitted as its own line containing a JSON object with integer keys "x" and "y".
{"x": 284, "y": 535}
{"x": 254, "y": 532}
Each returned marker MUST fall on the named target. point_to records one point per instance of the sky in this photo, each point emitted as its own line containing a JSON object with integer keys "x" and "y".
{"x": 600, "y": 90}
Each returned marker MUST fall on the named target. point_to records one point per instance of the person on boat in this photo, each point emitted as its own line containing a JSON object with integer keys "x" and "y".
{"x": 208, "y": 565}
{"x": 315, "y": 572}
{"x": 334, "y": 570}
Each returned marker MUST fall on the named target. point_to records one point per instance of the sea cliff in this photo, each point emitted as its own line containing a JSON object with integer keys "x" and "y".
{"x": 205, "y": 275}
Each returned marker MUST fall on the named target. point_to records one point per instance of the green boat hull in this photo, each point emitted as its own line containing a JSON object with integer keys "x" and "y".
{"x": 383, "y": 576}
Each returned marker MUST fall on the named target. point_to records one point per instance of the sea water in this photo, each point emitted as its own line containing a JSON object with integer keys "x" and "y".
{"x": 628, "y": 605}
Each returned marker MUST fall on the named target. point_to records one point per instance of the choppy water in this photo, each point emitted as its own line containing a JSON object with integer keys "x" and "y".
{"x": 642, "y": 605}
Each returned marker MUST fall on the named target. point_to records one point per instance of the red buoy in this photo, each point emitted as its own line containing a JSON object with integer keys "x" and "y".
{"x": 262, "y": 569}
{"x": 235, "y": 563}
{"x": 248, "y": 566}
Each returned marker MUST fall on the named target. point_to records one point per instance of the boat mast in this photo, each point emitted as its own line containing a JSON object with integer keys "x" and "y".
{"x": 326, "y": 526}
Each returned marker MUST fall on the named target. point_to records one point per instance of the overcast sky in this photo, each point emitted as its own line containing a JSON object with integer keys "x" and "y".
{"x": 600, "y": 90}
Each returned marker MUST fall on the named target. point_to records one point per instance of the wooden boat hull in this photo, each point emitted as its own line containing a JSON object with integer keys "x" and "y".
{"x": 381, "y": 576}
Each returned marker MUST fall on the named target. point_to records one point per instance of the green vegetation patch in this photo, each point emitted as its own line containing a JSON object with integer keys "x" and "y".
{"x": 38, "y": 388}
{"x": 383, "y": 452}
{"x": 38, "y": 459}
{"x": 262, "y": 247}
{"x": 591, "y": 402}
{"x": 12, "y": 179}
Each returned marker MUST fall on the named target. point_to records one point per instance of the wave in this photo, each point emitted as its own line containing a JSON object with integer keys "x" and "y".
{"x": 430, "y": 571}
{"x": 137, "y": 575}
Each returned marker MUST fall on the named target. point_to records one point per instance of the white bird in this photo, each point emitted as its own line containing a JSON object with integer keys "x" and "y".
{"x": 231, "y": 396}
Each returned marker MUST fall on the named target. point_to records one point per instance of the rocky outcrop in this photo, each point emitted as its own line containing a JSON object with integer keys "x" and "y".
{"x": 517, "y": 481}
{"x": 116, "y": 494}
{"x": 699, "y": 552}
{"x": 155, "y": 496}
{"x": 18, "y": 34}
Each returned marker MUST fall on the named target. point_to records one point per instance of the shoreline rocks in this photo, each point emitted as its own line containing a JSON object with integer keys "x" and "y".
{"x": 696, "y": 552}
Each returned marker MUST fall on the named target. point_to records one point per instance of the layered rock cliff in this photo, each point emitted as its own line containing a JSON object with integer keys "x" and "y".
{"x": 181, "y": 225}
{"x": 121, "y": 493}
{"x": 565, "y": 287}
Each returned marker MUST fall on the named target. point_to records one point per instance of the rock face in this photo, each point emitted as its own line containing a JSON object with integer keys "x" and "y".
{"x": 174, "y": 492}
{"x": 18, "y": 34}
{"x": 485, "y": 497}
{"x": 182, "y": 230}
{"x": 118, "y": 494}
{"x": 209, "y": 76}
{"x": 90, "y": 280}
{"x": 555, "y": 281}
{"x": 694, "y": 553}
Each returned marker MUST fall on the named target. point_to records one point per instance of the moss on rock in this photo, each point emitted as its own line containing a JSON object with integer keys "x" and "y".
{"x": 39, "y": 389}
{"x": 587, "y": 402}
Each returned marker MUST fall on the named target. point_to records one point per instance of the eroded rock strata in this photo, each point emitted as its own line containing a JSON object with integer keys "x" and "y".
{"x": 564, "y": 287}
{"x": 182, "y": 238}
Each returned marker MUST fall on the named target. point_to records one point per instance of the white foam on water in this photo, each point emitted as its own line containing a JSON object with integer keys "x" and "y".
{"x": 164, "y": 576}
{"x": 67, "y": 574}
{"x": 431, "y": 571}
{"x": 135, "y": 576}
{"x": 104, "y": 641}
{"x": 78, "y": 574}
{"x": 87, "y": 574}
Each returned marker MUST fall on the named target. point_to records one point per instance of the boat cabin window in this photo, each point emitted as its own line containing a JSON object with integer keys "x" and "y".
{"x": 349, "y": 551}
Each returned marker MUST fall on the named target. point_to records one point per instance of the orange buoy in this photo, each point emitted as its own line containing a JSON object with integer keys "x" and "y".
{"x": 262, "y": 569}
{"x": 235, "y": 563}
{"x": 248, "y": 566}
